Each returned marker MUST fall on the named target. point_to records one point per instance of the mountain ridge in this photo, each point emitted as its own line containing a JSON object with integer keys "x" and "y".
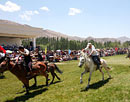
{"x": 51, "y": 33}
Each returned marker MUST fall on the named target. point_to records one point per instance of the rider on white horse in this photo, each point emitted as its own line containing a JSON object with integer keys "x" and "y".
{"x": 91, "y": 51}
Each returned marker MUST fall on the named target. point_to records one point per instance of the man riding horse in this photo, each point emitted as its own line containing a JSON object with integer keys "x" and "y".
{"x": 90, "y": 49}
{"x": 27, "y": 60}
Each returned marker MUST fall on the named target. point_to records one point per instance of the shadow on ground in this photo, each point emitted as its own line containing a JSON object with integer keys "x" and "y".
{"x": 24, "y": 97}
{"x": 97, "y": 85}
{"x": 56, "y": 82}
{"x": 2, "y": 77}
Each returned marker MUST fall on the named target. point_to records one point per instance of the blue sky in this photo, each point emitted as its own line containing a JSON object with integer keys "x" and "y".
{"x": 83, "y": 18}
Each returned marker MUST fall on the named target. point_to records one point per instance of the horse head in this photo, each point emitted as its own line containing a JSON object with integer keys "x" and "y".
{"x": 5, "y": 64}
{"x": 81, "y": 59}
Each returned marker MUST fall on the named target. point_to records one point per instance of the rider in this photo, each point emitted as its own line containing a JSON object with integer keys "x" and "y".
{"x": 2, "y": 54}
{"x": 27, "y": 59}
{"x": 38, "y": 55}
{"x": 90, "y": 49}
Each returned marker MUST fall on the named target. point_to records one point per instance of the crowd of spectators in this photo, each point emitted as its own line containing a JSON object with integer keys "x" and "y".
{"x": 112, "y": 51}
{"x": 10, "y": 47}
{"x": 59, "y": 55}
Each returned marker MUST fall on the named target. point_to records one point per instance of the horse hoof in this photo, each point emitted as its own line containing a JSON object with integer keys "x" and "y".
{"x": 110, "y": 77}
{"x": 87, "y": 87}
{"x": 81, "y": 82}
{"x": 34, "y": 85}
{"x": 27, "y": 93}
{"x": 59, "y": 79}
{"x": 51, "y": 83}
{"x": 47, "y": 84}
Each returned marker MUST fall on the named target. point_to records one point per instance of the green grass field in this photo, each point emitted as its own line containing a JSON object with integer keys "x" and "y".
{"x": 116, "y": 89}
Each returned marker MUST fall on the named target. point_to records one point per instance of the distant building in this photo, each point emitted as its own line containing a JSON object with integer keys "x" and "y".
{"x": 12, "y": 33}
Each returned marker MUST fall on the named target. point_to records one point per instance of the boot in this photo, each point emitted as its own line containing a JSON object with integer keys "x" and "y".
{"x": 98, "y": 66}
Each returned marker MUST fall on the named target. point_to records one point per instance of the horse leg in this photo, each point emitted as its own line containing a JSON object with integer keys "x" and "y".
{"x": 26, "y": 84}
{"x": 107, "y": 69}
{"x": 46, "y": 75}
{"x": 57, "y": 76}
{"x": 35, "y": 80}
{"x": 53, "y": 77}
{"x": 81, "y": 81}
{"x": 102, "y": 74}
{"x": 89, "y": 80}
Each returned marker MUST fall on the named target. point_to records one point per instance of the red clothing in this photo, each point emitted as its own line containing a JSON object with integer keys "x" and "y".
{"x": 2, "y": 49}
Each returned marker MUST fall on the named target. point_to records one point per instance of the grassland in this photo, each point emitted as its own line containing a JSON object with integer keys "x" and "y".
{"x": 69, "y": 89}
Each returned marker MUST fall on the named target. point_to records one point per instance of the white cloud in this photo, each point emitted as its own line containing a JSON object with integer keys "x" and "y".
{"x": 36, "y": 12}
{"x": 44, "y": 8}
{"x": 28, "y": 14}
{"x": 10, "y": 7}
{"x": 25, "y": 17}
{"x": 74, "y": 11}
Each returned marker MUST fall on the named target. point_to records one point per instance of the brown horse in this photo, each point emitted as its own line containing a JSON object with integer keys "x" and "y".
{"x": 20, "y": 72}
{"x": 51, "y": 67}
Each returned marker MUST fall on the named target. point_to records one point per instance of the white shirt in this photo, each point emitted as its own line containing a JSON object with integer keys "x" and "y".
{"x": 25, "y": 52}
{"x": 2, "y": 55}
{"x": 88, "y": 50}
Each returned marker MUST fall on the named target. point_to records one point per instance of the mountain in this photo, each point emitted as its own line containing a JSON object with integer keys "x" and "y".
{"x": 102, "y": 40}
{"x": 123, "y": 39}
{"x": 50, "y": 33}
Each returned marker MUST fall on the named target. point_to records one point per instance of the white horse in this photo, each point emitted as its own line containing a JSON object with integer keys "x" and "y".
{"x": 90, "y": 67}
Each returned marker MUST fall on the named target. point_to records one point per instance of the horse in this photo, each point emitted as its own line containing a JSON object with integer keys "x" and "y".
{"x": 128, "y": 53}
{"x": 51, "y": 67}
{"x": 21, "y": 73}
{"x": 91, "y": 67}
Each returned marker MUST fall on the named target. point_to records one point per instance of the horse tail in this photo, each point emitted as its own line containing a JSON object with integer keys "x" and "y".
{"x": 44, "y": 67}
{"x": 57, "y": 69}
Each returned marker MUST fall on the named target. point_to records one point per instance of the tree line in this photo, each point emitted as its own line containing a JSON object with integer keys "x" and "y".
{"x": 65, "y": 44}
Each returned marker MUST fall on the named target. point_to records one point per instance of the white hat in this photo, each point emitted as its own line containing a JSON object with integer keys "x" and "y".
{"x": 88, "y": 44}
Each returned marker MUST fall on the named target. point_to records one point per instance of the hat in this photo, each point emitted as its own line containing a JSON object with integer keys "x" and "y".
{"x": 88, "y": 44}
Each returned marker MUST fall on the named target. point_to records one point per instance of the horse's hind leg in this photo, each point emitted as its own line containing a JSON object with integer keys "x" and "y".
{"x": 35, "y": 80}
{"x": 46, "y": 79}
{"x": 107, "y": 69}
{"x": 57, "y": 76}
{"x": 53, "y": 77}
{"x": 102, "y": 73}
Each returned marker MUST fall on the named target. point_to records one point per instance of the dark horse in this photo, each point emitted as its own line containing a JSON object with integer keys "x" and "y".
{"x": 20, "y": 72}
{"x": 51, "y": 67}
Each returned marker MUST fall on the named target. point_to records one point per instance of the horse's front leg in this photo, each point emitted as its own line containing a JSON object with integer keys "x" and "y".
{"x": 89, "y": 80}
{"x": 102, "y": 74}
{"x": 26, "y": 84}
{"x": 81, "y": 81}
